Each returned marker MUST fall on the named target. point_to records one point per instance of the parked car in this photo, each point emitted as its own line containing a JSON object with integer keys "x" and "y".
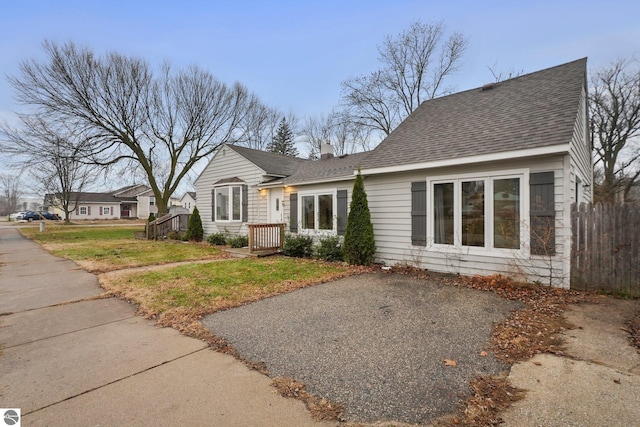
{"x": 16, "y": 216}
{"x": 35, "y": 216}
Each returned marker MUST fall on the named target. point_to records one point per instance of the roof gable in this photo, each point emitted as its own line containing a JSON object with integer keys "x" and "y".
{"x": 531, "y": 111}
{"x": 131, "y": 190}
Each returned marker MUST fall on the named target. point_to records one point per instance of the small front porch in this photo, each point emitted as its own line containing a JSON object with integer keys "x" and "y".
{"x": 264, "y": 240}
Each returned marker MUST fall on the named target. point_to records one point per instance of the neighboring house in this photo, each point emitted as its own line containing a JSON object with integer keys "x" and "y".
{"x": 188, "y": 201}
{"x": 134, "y": 201}
{"x": 478, "y": 182}
{"x": 29, "y": 203}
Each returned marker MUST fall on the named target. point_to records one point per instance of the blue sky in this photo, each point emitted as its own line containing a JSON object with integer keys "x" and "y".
{"x": 294, "y": 54}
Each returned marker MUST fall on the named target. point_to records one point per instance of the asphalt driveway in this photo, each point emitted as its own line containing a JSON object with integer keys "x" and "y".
{"x": 375, "y": 343}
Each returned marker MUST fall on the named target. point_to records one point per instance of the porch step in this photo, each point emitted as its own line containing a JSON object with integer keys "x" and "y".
{"x": 244, "y": 252}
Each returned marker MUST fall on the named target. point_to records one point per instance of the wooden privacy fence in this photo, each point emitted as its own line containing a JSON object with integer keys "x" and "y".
{"x": 161, "y": 227}
{"x": 605, "y": 250}
{"x": 266, "y": 237}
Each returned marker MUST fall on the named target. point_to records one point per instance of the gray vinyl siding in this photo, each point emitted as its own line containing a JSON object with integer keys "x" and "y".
{"x": 228, "y": 164}
{"x": 389, "y": 198}
{"x": 581, "y": 161}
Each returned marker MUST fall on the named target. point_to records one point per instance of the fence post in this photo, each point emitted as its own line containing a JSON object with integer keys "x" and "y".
{"x": 281, "y": 237}
{"x": 252, "y": 230}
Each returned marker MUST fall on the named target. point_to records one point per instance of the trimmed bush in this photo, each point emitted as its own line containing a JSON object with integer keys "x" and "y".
{"x": 174, "y": 235}
{"x": 359, "y": 243}
{"x": 194, "y": 230}
{"x": 329, "y": 249}
{"x": 238, "y": 241}
{"x": 217, "y": 239}
{"x": 297, "y": 245}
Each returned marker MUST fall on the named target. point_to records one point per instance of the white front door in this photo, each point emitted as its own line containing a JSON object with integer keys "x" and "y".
{"x": 275, "y": 205}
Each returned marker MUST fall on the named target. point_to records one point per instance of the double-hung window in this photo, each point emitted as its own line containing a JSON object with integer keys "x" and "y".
{"x": 317, "y": 211}
{"x": 228, "y": 203}
{"x": 483, "y": 211}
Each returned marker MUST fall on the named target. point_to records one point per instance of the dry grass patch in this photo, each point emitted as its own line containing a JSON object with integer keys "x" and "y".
{"x": 103, "y": 249}
{"x": 179, "y": 295}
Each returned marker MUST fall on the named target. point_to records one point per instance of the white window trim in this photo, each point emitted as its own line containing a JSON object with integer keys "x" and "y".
{"x": 488, "y": 178}
{"x": 333, "y": 192}
{"x": 230, "y": 194}
{"x": 86, "y": 210}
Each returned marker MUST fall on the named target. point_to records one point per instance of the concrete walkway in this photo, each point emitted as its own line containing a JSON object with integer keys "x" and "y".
{"x": 68, "y": 359}
{"x": 596, "y": 382}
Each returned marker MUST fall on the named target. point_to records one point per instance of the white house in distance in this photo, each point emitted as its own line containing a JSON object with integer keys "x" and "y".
{"x": 188, "y": 200}
{"x": 134, "y": 201}
{"x": 477, "y": 182}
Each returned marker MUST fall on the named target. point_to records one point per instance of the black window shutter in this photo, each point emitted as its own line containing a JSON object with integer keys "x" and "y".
{"x": 245, "y": 204}
{"x": 542, "y": 213}
{"x": 419, "y": 213}
{"x": 293, "y": 212}
{"x": 342, "y": 212}
{"x": 213, "y": 205}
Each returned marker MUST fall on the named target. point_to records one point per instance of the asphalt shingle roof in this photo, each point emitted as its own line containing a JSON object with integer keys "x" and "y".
{"x": 89, "y": 197}
{"x": 320, "y": 170}
{"x": 272, "y": 163}
{"x": 529, "y": 111}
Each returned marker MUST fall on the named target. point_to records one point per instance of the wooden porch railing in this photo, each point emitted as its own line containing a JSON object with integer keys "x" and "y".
{"x": 263, "y": 237}
{"x": 161, "y": 227}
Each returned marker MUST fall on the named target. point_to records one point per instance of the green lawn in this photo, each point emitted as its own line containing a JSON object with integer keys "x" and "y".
{"x": 179, "y": 294}
{"x": 102, "y": 249}
{"x": 204, "y": 288}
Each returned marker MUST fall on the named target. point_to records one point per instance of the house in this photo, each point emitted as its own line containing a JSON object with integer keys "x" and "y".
{"x": 225, "y": 203}
{"x": 477, "y": 182}
{"x": 188, "y": 201}
{"x": 134, "y": 201}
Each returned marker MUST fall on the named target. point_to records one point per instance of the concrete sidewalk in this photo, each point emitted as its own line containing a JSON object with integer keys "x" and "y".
{"x": 595, "y": 383}
{"x": 69, "y": 360}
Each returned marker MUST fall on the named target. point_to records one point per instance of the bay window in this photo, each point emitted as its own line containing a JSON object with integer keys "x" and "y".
{"x": 227, "y": 203}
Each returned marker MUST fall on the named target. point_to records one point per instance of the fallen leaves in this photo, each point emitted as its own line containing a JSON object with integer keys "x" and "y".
{"x": 450, "y": 362}
{"x": 533, "y": 329}
{"x": 320, "y": 409}
{"x": 634, "y": 331}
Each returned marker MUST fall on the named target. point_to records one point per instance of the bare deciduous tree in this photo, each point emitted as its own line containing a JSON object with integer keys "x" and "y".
{"x": 614, "y": 107}
{"x": 10, "y": 192}
{"x": 259, "y": 125}
{"x": 415, "y": 67}
{"x": 164, "y": 125}
{"x": 344, "y": 134}
{"x": 499, "y": 76}
{"x": 54, "y": 156}
{"x": 315, "y": 132}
